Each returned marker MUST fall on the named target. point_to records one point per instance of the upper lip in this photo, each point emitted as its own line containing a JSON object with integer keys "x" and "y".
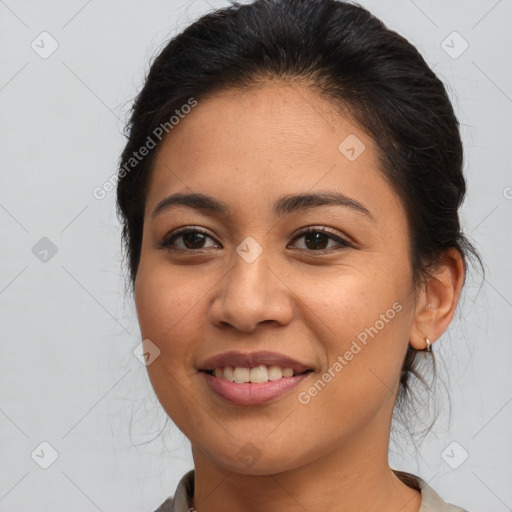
{"x": 252, "y": 359}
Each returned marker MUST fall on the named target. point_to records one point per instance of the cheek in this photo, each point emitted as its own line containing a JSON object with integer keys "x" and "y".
{"x": 347, "y": 304}
{"x": 363, "y": 321}
{"x": 165, "y": 302}
{"x": 166, "y": 310}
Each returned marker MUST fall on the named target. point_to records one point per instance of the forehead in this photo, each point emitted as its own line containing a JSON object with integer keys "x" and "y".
{"x": 248, "y": 147}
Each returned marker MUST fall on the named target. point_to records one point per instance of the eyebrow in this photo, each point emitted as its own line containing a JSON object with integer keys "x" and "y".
{"x": 285, "y": 205}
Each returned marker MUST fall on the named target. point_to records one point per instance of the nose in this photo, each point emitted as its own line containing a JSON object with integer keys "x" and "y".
{"x": 250, "y": 294}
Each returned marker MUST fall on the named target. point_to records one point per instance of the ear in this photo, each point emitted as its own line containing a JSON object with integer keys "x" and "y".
{"x": 438, "y": 300}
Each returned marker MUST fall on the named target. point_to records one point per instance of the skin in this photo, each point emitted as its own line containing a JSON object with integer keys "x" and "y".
{"x": 248, "y": 149}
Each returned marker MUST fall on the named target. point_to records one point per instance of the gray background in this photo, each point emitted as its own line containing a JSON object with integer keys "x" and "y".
{"x": 68, "y": 375}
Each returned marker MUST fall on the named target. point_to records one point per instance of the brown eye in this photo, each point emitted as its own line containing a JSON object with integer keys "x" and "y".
{"x": 191, "y": 239}
{"x": 317, "y": 239}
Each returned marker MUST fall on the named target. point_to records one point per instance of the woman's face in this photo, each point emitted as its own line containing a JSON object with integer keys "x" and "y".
{"x": 338, "y": 303}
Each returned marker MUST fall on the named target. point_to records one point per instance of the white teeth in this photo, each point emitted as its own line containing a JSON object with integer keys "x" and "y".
{"x": 228, "y": 373}
{"x": 261, "y": 373}
{"x": 241, "y": 374}
{"x": 287, "y": 372}
{"x": 258, "y": 374}
{"x": 275, "y": 372}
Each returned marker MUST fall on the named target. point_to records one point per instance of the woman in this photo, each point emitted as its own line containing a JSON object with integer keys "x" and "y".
{"x": 289, "y": 195}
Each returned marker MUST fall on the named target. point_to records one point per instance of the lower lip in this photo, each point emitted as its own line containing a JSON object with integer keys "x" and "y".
{"x": 249, "y": 393}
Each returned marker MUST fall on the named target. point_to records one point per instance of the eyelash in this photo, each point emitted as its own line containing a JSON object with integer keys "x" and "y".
{"x": 169, "y": 239}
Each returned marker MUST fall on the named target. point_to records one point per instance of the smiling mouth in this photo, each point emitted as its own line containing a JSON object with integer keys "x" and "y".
{"x": 255, "y": 375}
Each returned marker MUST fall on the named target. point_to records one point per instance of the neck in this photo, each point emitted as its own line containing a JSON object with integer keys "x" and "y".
{"x": 355, "y": 477}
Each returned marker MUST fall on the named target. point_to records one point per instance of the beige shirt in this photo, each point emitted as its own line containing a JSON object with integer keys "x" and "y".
{"x": 431, "y": 501}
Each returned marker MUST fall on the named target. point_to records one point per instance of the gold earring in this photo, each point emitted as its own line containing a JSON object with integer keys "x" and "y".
{"x": 429, "y": 345}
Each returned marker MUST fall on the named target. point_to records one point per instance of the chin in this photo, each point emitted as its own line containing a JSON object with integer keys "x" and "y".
{"x": 250, "y": 459}
{"x": 260, "y": 467}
